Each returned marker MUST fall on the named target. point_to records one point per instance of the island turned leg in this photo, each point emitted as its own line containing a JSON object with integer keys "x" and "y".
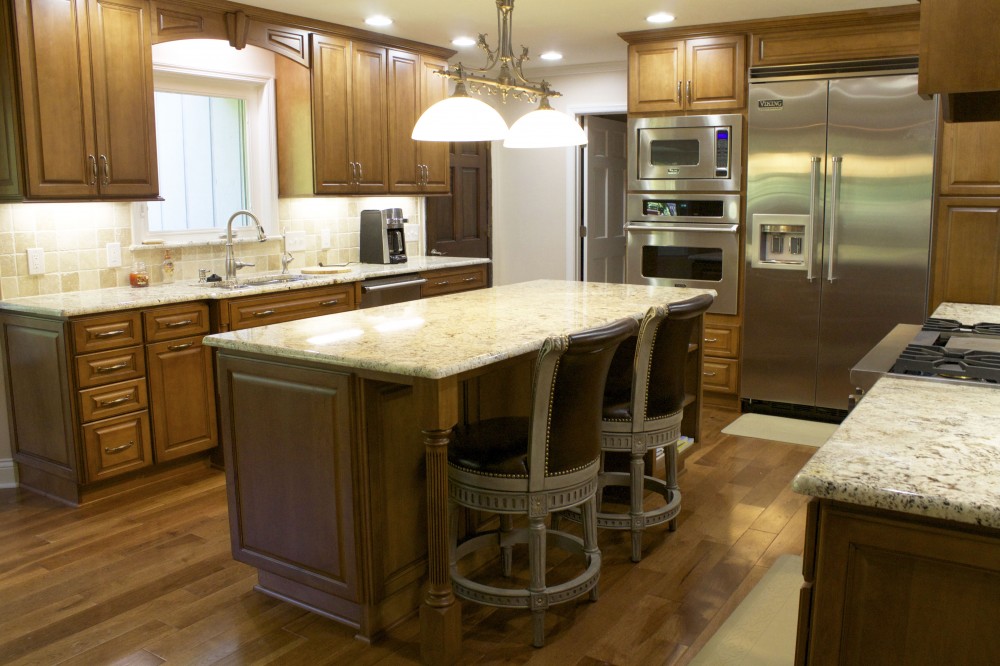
{"x": 440, "y": 614}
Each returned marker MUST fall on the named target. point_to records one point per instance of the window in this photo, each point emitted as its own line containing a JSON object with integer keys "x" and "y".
{"x": 215, "y": 154}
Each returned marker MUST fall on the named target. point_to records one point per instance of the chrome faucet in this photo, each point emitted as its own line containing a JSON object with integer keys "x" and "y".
{"x": 232, "y": 263}
{"x": 286, "y": 256}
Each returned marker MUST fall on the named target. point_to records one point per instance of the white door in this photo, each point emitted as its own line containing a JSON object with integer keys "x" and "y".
{"x": 604, "y": 200}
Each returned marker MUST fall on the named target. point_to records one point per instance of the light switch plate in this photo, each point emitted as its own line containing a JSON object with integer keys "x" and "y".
{"x": 324, "y": 239}
{"x": 36, "y": 261}
{"x": 114, "y": 254}
{"x": 295, "y": 241}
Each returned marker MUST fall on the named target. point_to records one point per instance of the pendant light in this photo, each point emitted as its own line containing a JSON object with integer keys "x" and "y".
{"x": 462, "y": 118}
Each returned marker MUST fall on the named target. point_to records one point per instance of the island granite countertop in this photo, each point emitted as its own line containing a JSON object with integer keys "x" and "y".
{"x": 95, "y": 301}
{"x": 968, "y": 313}
{"x": 917, "y": 446}
{"x": 447, "y": 335}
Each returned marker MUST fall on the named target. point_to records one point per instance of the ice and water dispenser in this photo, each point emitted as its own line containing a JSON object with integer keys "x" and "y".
{"x": 779, "y": 241}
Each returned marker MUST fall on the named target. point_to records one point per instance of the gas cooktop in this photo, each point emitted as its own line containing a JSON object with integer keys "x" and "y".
{"x": 949, "y": 349}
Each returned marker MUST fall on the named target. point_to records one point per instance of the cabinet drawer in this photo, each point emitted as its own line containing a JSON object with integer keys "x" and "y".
{"x": 111, "y": 366}
{"x": 175, "y": 322}
{"x": 448, "y": 282}
{"x": 117, "y": 445}
{"x": 121, "y": 329}
{"x": 720, "y": 375}
{"x": 107, "y": 401}
{"x": 289, "y": 305}
{"x": 722, "y": 341}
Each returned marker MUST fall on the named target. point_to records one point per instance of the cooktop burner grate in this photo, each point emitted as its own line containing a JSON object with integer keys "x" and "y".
{"x": 938, "y": 361}
{"x": 954, "y": 326}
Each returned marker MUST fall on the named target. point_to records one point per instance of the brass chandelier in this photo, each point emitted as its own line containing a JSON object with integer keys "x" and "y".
{"x": 464, "y": 118}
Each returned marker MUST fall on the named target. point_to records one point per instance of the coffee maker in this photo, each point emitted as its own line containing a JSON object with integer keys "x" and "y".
{"x": 382, "y": 238}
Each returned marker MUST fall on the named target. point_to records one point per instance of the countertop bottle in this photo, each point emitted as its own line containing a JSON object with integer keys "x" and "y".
{"x": 139, "y": 277}
{"x": 167, "y": 267}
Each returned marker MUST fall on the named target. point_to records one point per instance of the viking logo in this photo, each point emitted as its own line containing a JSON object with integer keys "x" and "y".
{"x": 770, "y": 104}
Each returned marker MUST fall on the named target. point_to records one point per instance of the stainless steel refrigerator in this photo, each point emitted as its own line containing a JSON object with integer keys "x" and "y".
{"x": 839, "y": 189}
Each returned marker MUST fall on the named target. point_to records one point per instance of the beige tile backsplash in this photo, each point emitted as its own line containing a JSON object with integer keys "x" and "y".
{"x": 74, "y": 235}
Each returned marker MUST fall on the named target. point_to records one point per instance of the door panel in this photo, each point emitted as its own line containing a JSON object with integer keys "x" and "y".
{"x": 604, "y": 167}
{"x": 781, "y": 321}
{"x": 369, "y": 116}
{"x": 459, "y": 225}
{"x": 331, "y": 85}
{"x": 878, "y": 243}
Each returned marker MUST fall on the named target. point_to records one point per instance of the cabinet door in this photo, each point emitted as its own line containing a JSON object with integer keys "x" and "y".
{"x": 970, "y": 158}
{"x": 54, "y": 64}
{"x": 122, "y": 57}
{"x": 404, "y": 101}
{"x": 434, "y": 155}
{"x": 10, "y": 138}
{"x": 182, "y": 397}
{"x": 655, "y": 73}
{"x": 716, "y": 73}
{"x": 331, "y": 96}
{"x": 369, "y": 117}
{"x": 966, "y": 252}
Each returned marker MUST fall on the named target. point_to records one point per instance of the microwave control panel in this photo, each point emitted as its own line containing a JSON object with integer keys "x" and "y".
{"x": 722, "y": 152}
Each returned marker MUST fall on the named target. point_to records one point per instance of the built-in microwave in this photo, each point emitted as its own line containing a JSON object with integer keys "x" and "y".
{"x": 686, "y": 153}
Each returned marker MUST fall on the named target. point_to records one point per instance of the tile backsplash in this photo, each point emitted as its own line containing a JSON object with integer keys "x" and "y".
{"x": 74, "y": 235}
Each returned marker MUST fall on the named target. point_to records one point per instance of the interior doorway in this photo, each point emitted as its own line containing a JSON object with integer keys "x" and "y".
{"x": 459, "y": 224}
{"x": 602, "y": 206}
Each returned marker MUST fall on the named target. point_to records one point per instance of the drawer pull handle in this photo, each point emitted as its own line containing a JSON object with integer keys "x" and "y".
{"x": 711, "y": 340}
{"x": 470, "y": 279}
{"x": 110, "y": 334}
{"x": 116, "y": 401}
{"x": 111, "y": 368}
{"x": 327, "y": 304}
{"x": 443, "y": 283}
{"x": 708, "y": 374}
{"x": 119, "y": 449}
{"x": 263, "y": 313}
{"x": 180, "y": 347}
{"x": 178, "y": 324}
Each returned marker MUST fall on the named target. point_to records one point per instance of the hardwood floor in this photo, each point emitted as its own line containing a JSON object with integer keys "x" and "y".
{"x": 150, "y": 580}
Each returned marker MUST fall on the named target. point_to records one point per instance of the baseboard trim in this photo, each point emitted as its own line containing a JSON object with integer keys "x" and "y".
{"x": 8, "y": 473}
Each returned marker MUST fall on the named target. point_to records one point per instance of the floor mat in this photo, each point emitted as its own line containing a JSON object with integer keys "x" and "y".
{"x": 761, "y": 631}
{"x": 781, "y": 429}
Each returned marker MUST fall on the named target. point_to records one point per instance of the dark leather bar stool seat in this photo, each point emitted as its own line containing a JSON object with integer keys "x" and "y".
{"x": 535, "y": 465}
{"x": 643, "y": 410}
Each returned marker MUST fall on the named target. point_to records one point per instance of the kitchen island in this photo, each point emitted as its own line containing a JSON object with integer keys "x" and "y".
{"x": 336, "y": 430}
{"x": 902, "y": 551}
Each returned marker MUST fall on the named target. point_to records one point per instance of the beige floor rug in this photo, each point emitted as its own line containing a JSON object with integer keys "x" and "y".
{"x": 761, "y": 631}
{"x": 781, "y": 429}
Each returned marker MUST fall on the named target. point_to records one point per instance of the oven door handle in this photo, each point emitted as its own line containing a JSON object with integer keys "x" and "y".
{"x": 709, "y": 228}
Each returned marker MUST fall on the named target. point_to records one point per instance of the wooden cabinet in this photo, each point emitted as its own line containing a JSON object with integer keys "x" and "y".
{"x": 86, "y": 79}
{"x": 249, "y": 311}
{"x": 889, "y": 588}
{"x": 415, "y": 167}
{"x": 966, "y": 251}
{"x": 451, "y": 280}
{"x": 181, "y": 381}
{"x": 697, "y": 74}
{"x": 970, "y": 159}
{"x": 10, "y": 132}
{"x": 349, "y": 116}
{"x": 721, "y": 371}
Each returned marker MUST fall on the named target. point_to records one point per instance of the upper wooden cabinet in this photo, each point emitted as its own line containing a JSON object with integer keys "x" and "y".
{"x": 349, "y": 115}
{"x": 86, "y": 78}
{"x": 415, "y": 167}
{"x": 970, "y": 158}
{"x": 10, "y": 135}
{"x": 698, "y": 74}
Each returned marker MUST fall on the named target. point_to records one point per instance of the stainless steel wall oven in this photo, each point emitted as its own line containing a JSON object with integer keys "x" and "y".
{"x": 685, "y": 240}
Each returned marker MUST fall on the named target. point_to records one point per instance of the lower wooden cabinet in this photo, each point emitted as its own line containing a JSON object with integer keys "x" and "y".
{"x": 182, "y": 390}
{"x": 721, "y": 371}
{"x": 116, "y": 446}
{"x": 249, "y": 311}
{"x": 452, "y": 280}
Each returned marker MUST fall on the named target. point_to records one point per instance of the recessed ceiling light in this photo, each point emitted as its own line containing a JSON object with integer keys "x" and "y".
{"x": 660, "y": 17}
{"x": 463, "y": 41}
{"x": 551, "y": 55}
{"x": 378, "y": 20}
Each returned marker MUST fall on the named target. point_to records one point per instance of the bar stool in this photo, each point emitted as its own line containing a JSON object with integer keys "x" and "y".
{"x": 535, "y": 465}
{"x": 643, "y": 410}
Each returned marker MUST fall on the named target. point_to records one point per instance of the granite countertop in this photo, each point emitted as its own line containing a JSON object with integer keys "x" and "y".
{"x": 74, "y": 303}
{"x": 446, "y": 335}
{"x": 929, "y": 448}
{"x": 968, "y": 313}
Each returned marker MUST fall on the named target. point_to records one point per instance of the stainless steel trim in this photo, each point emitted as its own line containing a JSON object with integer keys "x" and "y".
{"x": 843, "y": 69}
{"x": 700, "y": 228}
{"x": 366, "y": 288}
{"x": 811, "y": 228}
{"x": 834, "y": 210}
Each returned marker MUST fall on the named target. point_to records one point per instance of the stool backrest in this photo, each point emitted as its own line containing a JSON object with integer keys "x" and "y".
{"x": 661, "y": 355}
{"x": 567, "y": 397}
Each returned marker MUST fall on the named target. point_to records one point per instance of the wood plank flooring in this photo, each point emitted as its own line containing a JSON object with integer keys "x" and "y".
{"x": 149, "y": 579}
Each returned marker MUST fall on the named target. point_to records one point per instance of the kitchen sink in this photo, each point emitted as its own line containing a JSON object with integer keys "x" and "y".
{"x": 256, "y": 281}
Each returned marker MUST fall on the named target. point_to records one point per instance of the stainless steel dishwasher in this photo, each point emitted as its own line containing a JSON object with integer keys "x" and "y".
{"x": 395, "y": 289}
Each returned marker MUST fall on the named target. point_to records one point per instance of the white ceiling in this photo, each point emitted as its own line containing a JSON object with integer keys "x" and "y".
{"x": 585, "y": 31}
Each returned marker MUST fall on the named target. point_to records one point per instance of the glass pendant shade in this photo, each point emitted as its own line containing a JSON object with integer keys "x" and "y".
{"x": 545, "y": 128}
{"x": 460, "y": 118}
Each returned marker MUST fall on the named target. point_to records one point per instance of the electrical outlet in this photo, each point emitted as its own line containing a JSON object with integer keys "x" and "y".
{"x": 36, "y": 261}
{"x": 295, "y": 241}
{"x": 324, "y": 239}
{"x": 114, "y": 254}
{"x": 410, "y": 232}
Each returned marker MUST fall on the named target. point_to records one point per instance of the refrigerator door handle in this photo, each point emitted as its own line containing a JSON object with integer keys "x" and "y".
{"x": 811, "y": 230}
{"x": 834, "y": 209}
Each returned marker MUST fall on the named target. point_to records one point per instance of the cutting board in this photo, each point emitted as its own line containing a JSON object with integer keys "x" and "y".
{"x": 325, "y": 270}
